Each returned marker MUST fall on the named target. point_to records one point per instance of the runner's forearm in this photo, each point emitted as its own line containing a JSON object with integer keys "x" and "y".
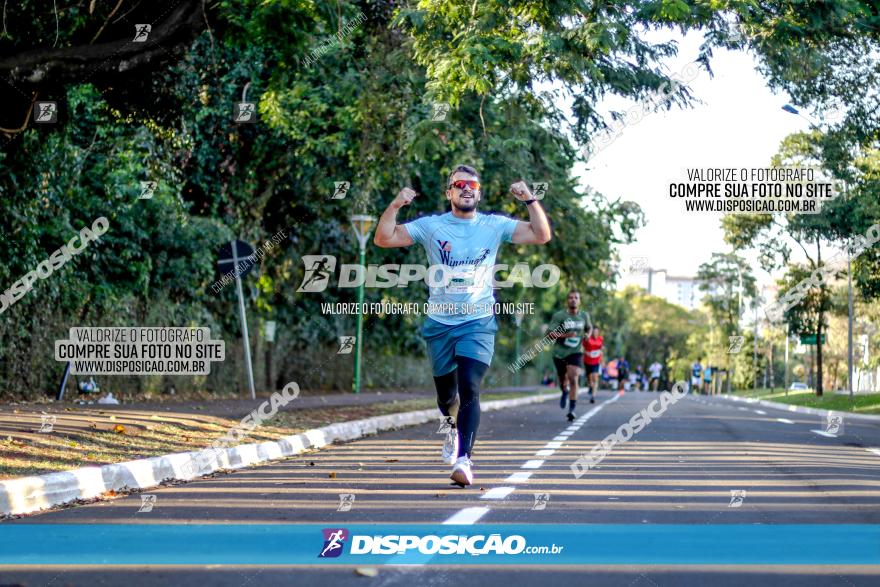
{"x": 538, "y": 221}
{"x": 387, "y": 223}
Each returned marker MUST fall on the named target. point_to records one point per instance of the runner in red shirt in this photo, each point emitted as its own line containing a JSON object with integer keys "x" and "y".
{"x": 592, "y": 361}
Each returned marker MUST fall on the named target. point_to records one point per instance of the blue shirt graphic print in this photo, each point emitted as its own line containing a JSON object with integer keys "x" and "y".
{"x": 461, "y": 290}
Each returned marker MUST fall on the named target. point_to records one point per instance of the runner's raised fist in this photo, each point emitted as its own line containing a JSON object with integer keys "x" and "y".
{"x": 404, "y": 197}
{"x": 521, "y": 191}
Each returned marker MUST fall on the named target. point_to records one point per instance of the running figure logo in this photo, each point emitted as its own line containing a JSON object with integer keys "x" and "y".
{"x": 735, "y": 344}
{"x": 539, "y": 189}
{"x": 147, "y": 189}
{"x": 46, "y": 112}
{"x": 147, "y": 503}
{"x": 346, "y": 500}
{"x": 737, "y": 496}
{"x": 141, "y": 32}
{"x": 541, "y": 500}
{"x": 334, "y": 540}
{"x": 244, "y": 112}
{"x": 346, "y": 345}
{"x": 341, "y": 189}
{"x": 47, "y": 422}
{"x": 440, "y": 111}
{"x": 834, "y": 423}
{"x": 319, "y": 268}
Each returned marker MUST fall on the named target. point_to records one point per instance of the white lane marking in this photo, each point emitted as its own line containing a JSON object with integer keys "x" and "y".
{"x": 876, "y": 451}
{"x": 498, "y": 493}
{"x": 743, "y": 409}
{"x": 467, "y": 516}
{"x": 533, "y": 464}
{"x": 792, "y": 408}
{"x": 560, "y": 437}
{"x": 553, "y": 445}
{"x": 519, "y": 477}
{"x": 762, "y": 412}
{"x": 572, "y": 428}
{"x": 825, "y": 434}
{"x": 544, "y": 453}
{"x": 784, "y": 420}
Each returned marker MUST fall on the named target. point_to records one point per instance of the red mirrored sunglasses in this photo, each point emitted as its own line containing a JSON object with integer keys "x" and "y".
{"x": 462, "y": 183}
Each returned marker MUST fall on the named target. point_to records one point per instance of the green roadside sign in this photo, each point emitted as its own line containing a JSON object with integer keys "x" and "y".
{"x": 811, "y": 339}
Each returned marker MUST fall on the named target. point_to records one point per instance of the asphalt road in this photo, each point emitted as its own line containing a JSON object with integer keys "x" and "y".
{"x": 680, "y": 469}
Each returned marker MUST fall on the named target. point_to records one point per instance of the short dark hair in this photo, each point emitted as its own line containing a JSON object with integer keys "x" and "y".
{"x": 464, "y": 168}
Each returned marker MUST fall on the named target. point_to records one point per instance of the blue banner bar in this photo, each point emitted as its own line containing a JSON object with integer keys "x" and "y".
{"x": 374, "y": 544}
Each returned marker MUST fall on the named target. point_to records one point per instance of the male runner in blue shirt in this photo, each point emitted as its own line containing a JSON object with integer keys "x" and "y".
{"x": 461, "y": 342}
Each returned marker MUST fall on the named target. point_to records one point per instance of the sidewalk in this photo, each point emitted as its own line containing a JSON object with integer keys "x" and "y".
{"x": 76, "y": 436}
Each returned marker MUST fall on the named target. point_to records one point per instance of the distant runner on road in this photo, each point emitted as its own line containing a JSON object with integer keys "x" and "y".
{"x": 461, "y": 344}
{"x": 696, "y": 370}
{"x": 593, "y": 361}
{"x": 655, "y": 369}
{"x": 567, "y": 352}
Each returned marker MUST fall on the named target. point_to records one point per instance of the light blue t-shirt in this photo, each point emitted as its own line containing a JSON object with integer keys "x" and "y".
{"x": 462, "y": 290}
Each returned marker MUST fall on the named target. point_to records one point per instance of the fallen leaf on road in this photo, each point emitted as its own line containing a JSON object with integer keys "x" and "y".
{"x": 113, "y": 417}
{"x": 119, "y": 429}
{"x": 332, "y": 475}
{"x": 392, "y": 460}
{"x": 311, "y": 463}
{"x": 366, "y": 571}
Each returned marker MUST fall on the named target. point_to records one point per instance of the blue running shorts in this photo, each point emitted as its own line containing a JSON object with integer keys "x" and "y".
{"x": 474, "y": 339}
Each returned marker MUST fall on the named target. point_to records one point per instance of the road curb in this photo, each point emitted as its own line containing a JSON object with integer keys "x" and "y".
{"x": 802, "y": 409}
{"x": 31, "y": 494}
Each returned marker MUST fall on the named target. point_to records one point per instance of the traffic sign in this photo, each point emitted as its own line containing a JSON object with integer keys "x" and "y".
{"x": 242, "y": 256}
{"x": 811, "y": 339}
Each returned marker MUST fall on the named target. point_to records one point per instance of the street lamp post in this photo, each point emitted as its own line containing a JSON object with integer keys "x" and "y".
{"x": 849, "y": 344}
{"x": 362, "y": 225}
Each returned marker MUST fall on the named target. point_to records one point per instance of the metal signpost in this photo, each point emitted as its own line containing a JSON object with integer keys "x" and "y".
{"x": 238, "y": 257}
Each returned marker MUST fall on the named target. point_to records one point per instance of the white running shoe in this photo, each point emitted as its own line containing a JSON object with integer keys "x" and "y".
{"x": 461, "y": 472}
{"x": 450, "y": 444}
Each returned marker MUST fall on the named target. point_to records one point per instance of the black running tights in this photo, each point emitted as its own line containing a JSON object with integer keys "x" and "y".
{"x": 462, "y": 386}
